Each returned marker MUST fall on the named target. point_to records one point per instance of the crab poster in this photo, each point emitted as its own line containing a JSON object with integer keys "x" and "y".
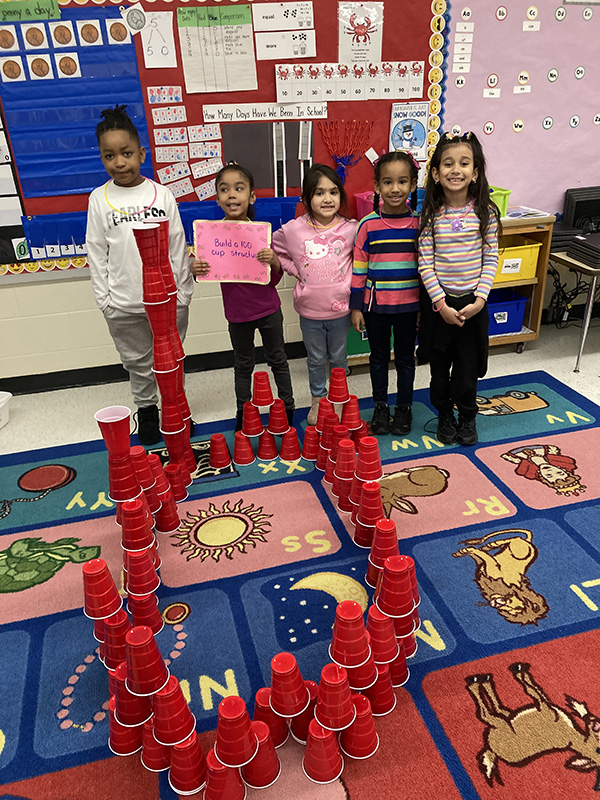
{"x": 408, "y": 128}
{"x": 360, "y": 31}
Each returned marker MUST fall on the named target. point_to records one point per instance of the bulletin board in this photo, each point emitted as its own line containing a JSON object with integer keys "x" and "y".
{"x": 525, "y": 78}
{"x": 180, "y": 103}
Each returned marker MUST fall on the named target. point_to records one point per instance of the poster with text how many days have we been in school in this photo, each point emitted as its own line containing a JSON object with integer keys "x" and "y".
{"x": 230, "y": 248}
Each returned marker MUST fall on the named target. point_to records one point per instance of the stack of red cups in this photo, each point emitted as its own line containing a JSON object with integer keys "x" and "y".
{"x": 369, "y": 512}
{"x": 350, "y": 646}
{"x": 326, "y": 441}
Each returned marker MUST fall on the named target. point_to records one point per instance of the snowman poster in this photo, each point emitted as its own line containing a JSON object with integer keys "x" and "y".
{"x": 408, "y": 128}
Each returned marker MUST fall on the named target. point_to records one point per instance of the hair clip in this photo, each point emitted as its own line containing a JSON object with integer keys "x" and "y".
{"x": 449, "y": 136}
{"x": 416, "y": 164}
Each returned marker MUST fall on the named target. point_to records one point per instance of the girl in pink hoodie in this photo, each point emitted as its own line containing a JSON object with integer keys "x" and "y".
{"x": 316, "y": 249}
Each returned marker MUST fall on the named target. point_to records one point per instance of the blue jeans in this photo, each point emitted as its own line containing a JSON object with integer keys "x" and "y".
{"x": 324, "y": 339}
{"x": 379, "y": 331}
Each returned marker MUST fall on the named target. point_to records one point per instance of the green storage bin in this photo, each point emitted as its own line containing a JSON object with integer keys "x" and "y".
{"x": 500, "y": 198}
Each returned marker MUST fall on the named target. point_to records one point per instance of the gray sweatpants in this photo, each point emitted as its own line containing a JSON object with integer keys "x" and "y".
{"x": 132, "y": 336}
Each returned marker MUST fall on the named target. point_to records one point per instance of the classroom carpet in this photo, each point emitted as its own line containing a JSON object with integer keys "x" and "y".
{"x": 503, "y": 699}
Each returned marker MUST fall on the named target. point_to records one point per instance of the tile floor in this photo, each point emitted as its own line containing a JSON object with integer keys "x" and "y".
{"x": 65, "y": 416}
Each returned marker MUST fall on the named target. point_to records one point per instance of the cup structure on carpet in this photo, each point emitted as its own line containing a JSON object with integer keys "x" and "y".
{"x": 264, "y": 769}
{"x": 349, "y": 645}
{"x": 322, "y": 762}
{"x": 156, "y": 468}
{"x": 167, "y": 516}
{"x": 338, "y": 386}
{"x": 114, "y": 423}
{"x": 399, "y": 671}
{"x": 380, "y": 628}
{"x": 345, "y": 462}
{"x": 289, "y": 695}
{"x": 368, "y": 462}
{"x": 236, "y": 743}
{"x": 381, "y": 695}
{"x": 262, "y": 394}
{"x": 290, "y": 447}
{"x": 278, "y": 422}
{"x": 325, "y": 407}
{"x": 147, "y": 672}
{"x": 334, "y": 709}
{"x": 299, "y": 724}
{"x": 395, "y": 594}
{"x": 187, "y": 773}
{"x": 155, "y": 757}
{"x": 310, "y": 445}
{"x": 144, "y": 611}
{"x": 122, "y": 480}
{"x": 122, "y": 741}
{"x": 251, "y": 421}
{"x": 178, "y": 490}
{"x": 339, "y": 432}
{"x": 139, "y": 459}
{"x": 385, "y": 542}
{"x": 219, "y": 456}
{"x": 101, "y": 597}
{"x": 262, "y": 711}
{"x": 243, "y": 454}
{"x": 267, "y": 446}
{"x": 115, "y": 630}
{"x": 171, "y": 420}
{"x": 370, "y": 509}
{"x": 142, "y": 577}
{"x": 173, "y": 720}
{"x": 222, "y": 783}
{"x": 360, "y": 740}
{"x": 331, "y": 420}
{"x": 152, "y": 500}
{"x": 351, "y": 414}
{"x": 130, "y": 709}
{"x": 136, "y": 530}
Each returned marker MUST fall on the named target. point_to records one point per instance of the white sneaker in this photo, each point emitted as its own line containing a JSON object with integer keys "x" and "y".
{"x": 313, "y": 414}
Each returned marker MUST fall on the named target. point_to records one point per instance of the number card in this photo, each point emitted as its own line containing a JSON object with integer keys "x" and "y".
{"x": 205, "y": 150}
{"x": 157, "y": 40}
{"x": 166, "y": 155}
{"x": 170, "y": 136}
{"x": 202, "y": 169}
{"x": 206, "y": 190}
{"x": 231, "y": 248}
{"x": 164, "y": 94}
{"x": 174, "y": 172}
{"x": 171, "y": 115}
{"x": 179, "y": 188}
{"x": 203, "y": 133}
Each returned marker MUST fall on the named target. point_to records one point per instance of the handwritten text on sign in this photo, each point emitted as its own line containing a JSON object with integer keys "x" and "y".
{"x": 231, "y": 248}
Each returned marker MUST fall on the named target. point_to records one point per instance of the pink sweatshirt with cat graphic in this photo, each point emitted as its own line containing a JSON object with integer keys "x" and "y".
{"x": 322, "y": 259}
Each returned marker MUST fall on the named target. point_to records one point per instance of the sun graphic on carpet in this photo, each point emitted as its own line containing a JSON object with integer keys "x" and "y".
{"x": 215, "y": 532}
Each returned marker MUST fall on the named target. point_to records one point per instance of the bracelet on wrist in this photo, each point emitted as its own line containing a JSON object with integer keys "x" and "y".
{"x": 442, "y": 304}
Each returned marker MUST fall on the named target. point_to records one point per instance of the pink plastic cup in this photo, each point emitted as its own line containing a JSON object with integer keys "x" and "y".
{"x": 264, "y": 769}
{"x": 101, "y": 597}
{"x": 130, "y": 710}
{"x": 262, "y": 395}
{"x": 251, "y": 421}
{"x": 114, "y": 423}
{"x": 322, "y": 762}
{"x": 349, "y": 646}
{"x": 173, "y": 720}
{"x": 381, "y": 694}
{"x": 264, "y": 713}
{"x": 155, "y": 757}
{"x": 122, "y": 741}
{"x": 219, "y": 457}
{"x": 147, "y": 672}
{"x": 325, "y": 407}
{"x": 310, "y": 446}
{"x": 144, "y": 611}
{"x": 142, "y": 578}
{"x": 351, "y": 414}
{"x": 360, "y": 740}
{"x": 222, "y": 783}
{"x": 299, "y": 725}
{"x": 115, "y": 630}
{"x": 289, "y": 695}
{"x": 278, "y": 422}
{"x": 368, "y": 466}
{"x": 187, "y": 774}
{"x": 236, "y": 743}
{"x": 338, "y": 386}
{"x": 382, "y": 636}
{"x": 334, "y": 709}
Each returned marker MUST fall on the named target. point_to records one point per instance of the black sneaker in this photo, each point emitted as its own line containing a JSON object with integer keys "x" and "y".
{"x": 446, "y": 430}
{"x": 239, "y": 418}
{"x": 148, "y": 429}
{"x": 467, "y": 431}
{"x": 381, "y": 418}
{"x": 402, "y": 422}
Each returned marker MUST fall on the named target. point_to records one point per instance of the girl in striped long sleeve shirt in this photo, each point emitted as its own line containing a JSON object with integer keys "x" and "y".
{"x": 458, "y": 257}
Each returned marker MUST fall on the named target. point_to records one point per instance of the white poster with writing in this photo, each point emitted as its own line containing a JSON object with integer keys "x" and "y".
{"x": 408, "y": 128}
{"x": 360, "y": 31}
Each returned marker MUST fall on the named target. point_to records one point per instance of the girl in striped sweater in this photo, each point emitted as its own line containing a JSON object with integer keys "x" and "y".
{"x": 458, "y": 257}
{"x": 384, "y": 294}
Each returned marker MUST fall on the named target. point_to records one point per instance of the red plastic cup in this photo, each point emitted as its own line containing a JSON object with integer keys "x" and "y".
{"x": 399, "y": 670}
{"x": 163, "y": 357}
{"x": 267, "y": 446}
{"x": 144, "y": 611}
{"x": 325, "y": 407}
{"x": 139, "y": 459}
{"x": 163, "y": 255}
{"x": 262, "y": 395}
{"x": 322, "y": 457}
{"x": 360, "y": 432}
{"x": 153, "y": 287}
{"x": 395, "y": 594}
{"x": 355, "y": 493}
{"x": 322, "y": 762}
{"x": 147, "y": 672}
{"x": 184, "y": 406}
{"x": 340, "y": 432}
{"x": 409, "y": 645}
{"x": 360, "y": 740}
{"x": 351, "y": 414}
{"x": 385, "y": 542}
{"x": 136, "y": 529}
{"x": 178, "y": 490}
{"x": 167, "y": 517}
{"x": 362, "y": 677}
{"x": 368, "y": 465}
{"x": 264, "y": 769}
{"x": 416, "y": 619}
{"x": 370, "y": 509}
{"x": 334, "y": 709}
{"x": 289, "y": 695}
{"x": 345, "y": 462}
{"x": 372, "y": 575}
{"x": 130, "y": 710}
{"x": 101, "y": 597}
{"x": 122, "y": 480}
{"x": 363, "y": 535}
{"x": 251, "y": 421}
{"x": 290, "y": 447}
{"x": 155, "y": 757}
{"x": 146, "y": 236}
{"x": 264, "y": 713}
{"x": 380, "y": 628}
{"x": 338, "y": 386}
{"x": 167, "y": 381}
{"x": 299, "y": 725}
{"x": 403, "y": 626}
{"x": 142, "y": 577}
{"x": 122, "y": 741}
{"x": 243, "y": 454}
{"x": 331, "y": 420}
{"x": 156, "y": 468}
{"x": 159, "y": 318}
{"x": 310, "y": 446}
{"x": 381, "y": 694}
{"x": 349, "y": 645}
{"x": 237, "y": 743}
{"x": 343, "y": 494}
{"x": 222, "y": 783}
{"x": 99, "y": 630}
{"x": 278, "y": 422}
{"x": 173, "y": 720}
{"x": 219, "y": 457}
{"x": 112, "y": 683}
{"x": 187, "y": 774}
{"x": 115, "y": 630}
{"x": 413, "y": 580}
{"x": 171, "y": 420}
{"x": 114, "y": 423}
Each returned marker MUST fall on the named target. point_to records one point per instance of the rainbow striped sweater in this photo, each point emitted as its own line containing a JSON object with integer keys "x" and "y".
{"x": 461, "y": 262}
{"x": 384, "y": 273}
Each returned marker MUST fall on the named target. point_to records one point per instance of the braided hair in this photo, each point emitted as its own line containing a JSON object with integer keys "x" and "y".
{"x": 115, "y": 119}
